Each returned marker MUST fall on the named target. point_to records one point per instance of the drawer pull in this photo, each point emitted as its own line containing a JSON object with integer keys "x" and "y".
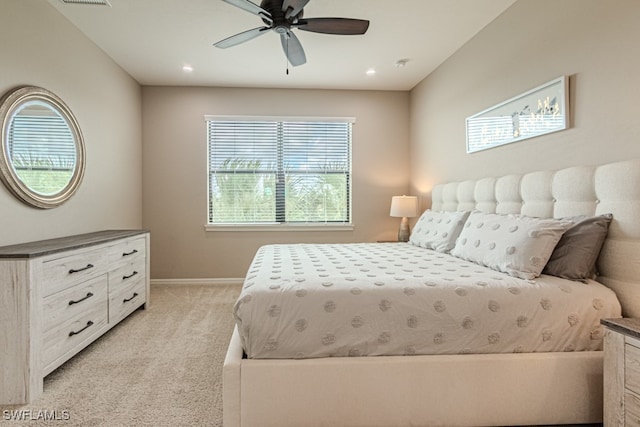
{"x": 81, "y": 269}
{"x": 89, "y": 295}
{"x": 72, "y": 333}
{"x": 135, "y": 251}
{"x": 129, "y": 276}
{"x": 135, "y": 294}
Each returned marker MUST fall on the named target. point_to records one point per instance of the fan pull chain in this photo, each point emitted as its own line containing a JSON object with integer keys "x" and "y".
{"x": 286, "y": 58}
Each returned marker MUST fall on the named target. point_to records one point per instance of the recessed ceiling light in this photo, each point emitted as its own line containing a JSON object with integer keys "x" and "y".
{"x": 187, "y": 68}
{"x": 371, "y": 72}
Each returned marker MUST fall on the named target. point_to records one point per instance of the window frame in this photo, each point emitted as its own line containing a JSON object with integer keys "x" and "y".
{"x": 278, "y": 226}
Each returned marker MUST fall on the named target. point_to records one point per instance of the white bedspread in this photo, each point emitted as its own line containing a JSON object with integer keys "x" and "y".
{"x": 323, "y": 300}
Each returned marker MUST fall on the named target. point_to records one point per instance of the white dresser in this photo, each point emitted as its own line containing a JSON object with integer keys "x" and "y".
{"x": 622, "y": 372}
{"x": 59, "y": 295}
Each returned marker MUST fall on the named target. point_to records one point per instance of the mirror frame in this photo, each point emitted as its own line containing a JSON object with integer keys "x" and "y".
{"x": 9, "y": 104}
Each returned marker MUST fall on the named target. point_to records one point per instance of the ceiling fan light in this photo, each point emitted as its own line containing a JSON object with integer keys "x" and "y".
{"x": 287, "y": 18}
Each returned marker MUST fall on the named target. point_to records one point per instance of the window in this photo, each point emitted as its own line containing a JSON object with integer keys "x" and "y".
{"x": 42, "y": 149}
{"x": 271, "y": 171}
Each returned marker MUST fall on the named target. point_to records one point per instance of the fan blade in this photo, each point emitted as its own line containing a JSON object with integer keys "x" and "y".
{"x": 293, "y": 49}
{"x": 241, "y": 37}
{"x": 341, "y": 26}
{"x": 293, "y": 7}
{"x": 251, "y": 8}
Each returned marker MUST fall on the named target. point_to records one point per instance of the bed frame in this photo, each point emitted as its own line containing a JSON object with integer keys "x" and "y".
{"x": 461, "y": 390}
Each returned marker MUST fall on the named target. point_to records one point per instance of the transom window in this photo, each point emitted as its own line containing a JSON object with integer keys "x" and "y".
{"x": 275, "y": 171}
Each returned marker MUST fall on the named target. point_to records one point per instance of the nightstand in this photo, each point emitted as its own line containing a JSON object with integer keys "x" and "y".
{"x": 621, "y": 372}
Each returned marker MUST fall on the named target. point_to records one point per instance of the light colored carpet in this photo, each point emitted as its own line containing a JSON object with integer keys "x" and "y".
{"x": 159, "y": 367}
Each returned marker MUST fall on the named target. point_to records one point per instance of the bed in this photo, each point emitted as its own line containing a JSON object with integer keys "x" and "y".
{"x": 524, "y": 384}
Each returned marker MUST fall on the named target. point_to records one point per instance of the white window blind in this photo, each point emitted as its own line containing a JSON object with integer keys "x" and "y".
{"x": 29, "y": 150}
{"x": 279, "y": 171}
{"x": 42, "y": 151}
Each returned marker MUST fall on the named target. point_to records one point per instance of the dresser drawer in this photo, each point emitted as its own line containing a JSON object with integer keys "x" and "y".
{"x": 127, "y": 251}
{"x": 71, "y": 302}
{"x": 125, "y": 301}
{"x": 62, "y": 273}
{"x": 631, "y": 410}
{"x": 126, "y": 275}
{"x": 632, "y": 368}
{"x": 74, "y": 333}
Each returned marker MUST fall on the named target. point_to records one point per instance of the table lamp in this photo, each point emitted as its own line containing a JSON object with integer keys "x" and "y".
{"x": 404, "y": 207}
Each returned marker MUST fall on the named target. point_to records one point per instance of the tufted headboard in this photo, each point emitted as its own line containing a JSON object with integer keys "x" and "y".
{"x": 582, "y": 190}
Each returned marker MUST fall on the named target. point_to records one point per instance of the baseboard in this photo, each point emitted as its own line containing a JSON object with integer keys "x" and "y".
{"x": 197, "y": 282}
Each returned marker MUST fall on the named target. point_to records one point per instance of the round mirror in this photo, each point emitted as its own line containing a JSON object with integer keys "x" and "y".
{"x": 42, "y": 153}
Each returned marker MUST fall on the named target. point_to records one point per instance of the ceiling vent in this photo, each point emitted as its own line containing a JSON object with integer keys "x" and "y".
{"x": 89, "y": 2}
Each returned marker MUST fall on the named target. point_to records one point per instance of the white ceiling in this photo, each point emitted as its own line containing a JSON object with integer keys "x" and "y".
{"x": 153, "y": 39}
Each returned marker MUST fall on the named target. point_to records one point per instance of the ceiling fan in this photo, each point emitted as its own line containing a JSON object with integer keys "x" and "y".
{"x": 282, "y": 16}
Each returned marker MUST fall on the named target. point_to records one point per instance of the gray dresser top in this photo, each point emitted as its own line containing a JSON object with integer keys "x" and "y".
{"x": 47, "y": 247}
{"x": 627, "y": 326}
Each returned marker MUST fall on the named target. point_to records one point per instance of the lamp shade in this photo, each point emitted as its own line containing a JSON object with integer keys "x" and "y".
{"x": 404, "y": 206}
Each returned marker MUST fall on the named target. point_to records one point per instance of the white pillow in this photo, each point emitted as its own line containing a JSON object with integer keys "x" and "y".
{"x": 514, "y": 244}
{"x": 438, "y": 230}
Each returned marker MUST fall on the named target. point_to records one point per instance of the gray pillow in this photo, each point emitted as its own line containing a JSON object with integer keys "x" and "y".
{"x": 575, "y": 255}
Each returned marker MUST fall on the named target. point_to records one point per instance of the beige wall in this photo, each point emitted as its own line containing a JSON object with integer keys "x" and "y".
{"x": 39, "y": 47}
{"x": 175, "y": 178}
{"x": 595, "y": 42}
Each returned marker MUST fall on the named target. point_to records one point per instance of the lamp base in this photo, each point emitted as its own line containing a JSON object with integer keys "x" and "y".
{"x": 404, "y": 232}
